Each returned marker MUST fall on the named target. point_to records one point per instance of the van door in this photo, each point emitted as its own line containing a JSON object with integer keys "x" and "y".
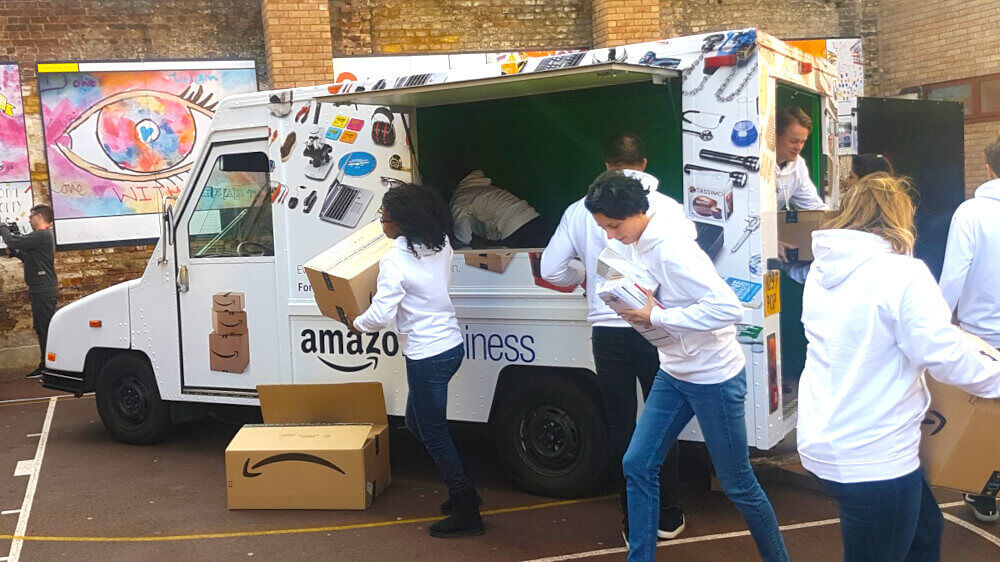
{"x": 226, "y": 273}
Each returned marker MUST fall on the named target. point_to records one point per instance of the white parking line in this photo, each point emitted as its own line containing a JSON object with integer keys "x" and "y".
{"x": 33, "y": 435}
{"x": 29, "y": 494}
{"x": 736, "y": 534}
{"x": 970, "y": 527}
{"x": 10, "y": 512}
{"x": 24, "y": 468}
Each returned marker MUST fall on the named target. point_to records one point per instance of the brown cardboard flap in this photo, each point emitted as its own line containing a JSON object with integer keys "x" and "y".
{"x": 359, "y": 402}
{"x": 310, "y": 438}
{"x": 796, "y": 228}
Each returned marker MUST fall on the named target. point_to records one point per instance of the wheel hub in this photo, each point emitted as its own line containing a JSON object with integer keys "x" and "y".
{"x": 549, "y": 440}
{"x": 131, "y": 400}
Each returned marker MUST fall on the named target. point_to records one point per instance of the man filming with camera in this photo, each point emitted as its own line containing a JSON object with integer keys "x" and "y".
{"x": 37, "y": 250}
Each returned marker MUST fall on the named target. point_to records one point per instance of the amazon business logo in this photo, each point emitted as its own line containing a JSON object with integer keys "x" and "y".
{"x": 351, "y": 352}
{"x": 286, "y": 457}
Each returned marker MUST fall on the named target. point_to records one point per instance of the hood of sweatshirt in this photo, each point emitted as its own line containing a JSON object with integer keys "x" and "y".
{"x": 990, "y": 190}
{"x": 475, "y": 179}
{"x": 648, "y": 181}
{"x": 789, "y": 167}
{"x": 839, "y": 253}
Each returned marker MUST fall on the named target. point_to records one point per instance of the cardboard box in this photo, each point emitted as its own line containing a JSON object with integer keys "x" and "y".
{"x": 228, "y": 301}
{"x": 322, "y": 446}
{"x": 611, "y": 264}
{"x": 796, "y": 228}
{"x": 491, "y": 260}
{"x": 228, "y": 354}
{"x": 958, "y": 447}
{"x": 227, "y": 323}
{"x": 709, "y": 196}
{"x": 623, "y": 293}
{"x": 344, "y": 277}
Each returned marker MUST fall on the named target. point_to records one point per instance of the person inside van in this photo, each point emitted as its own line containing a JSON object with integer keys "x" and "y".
{"x": 795, "y": 188}
{"x": 621, "y": 355}
{"x": 875, "y": 321}
{"x": 412, "y": 295}
{"x": 701, "y": 367}
{"x": 487, "y": 215}
{"x": 969, "y": 277}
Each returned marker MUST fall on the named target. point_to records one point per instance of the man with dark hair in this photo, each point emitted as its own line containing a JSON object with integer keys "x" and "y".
{"x": 37, "y": 250}
{"x": 795, "y": 188}
{"x": 969, "y": 276}
{"x": 621, "y": 355}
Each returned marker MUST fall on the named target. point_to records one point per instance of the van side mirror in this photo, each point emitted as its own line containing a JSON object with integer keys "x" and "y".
{"x": 166, "y": 226}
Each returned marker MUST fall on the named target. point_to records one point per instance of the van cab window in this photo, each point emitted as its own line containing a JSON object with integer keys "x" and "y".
{"x": 233, "y": 215}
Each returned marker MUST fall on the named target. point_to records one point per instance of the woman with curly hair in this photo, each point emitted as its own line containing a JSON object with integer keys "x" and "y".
{"x": 412, "y": 293}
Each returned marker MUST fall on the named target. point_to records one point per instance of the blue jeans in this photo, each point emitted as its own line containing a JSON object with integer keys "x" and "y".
{"x": 888, "y": 520}
{"x": 427, "y": 413}
{"x": 720, "y": 411}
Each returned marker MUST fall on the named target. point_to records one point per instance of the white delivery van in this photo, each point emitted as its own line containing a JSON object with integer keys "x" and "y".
{"x": 224, "y": 304}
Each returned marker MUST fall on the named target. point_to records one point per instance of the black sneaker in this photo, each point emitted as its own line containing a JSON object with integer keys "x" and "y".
{"x": 983, "y": 507}
{"x": 671, "y": 523}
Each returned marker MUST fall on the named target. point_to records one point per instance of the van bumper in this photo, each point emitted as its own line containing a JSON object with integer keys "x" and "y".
{"x": 65, "y": 381}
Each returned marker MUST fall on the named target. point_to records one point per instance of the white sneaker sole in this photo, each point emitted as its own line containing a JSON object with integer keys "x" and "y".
{"x": 667, "y": 535}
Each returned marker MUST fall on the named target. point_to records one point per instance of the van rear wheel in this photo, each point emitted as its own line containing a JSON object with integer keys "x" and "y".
{"x": 129, "y": 402}
{"x": 551, "y": 436}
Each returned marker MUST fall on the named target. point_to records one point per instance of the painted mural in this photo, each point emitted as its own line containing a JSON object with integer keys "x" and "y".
{"x": 13, "y": 142}
{"x": 121, "y": 136}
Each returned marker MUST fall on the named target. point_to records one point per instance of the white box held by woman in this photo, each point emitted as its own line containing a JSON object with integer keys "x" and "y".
{"x": 623, "y": 293}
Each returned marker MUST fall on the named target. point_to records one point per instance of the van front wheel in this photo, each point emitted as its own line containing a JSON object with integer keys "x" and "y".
{"x": 129, "y": 402}
{"x": 551, "y": 436}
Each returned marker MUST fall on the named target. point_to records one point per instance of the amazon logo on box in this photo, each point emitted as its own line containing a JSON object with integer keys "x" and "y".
{"x": 229, "y": 342}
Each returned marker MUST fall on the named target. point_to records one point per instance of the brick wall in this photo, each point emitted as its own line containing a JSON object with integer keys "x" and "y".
{"x": 297, "y": 35}
{"x": 926, "y": 42}
{"x": 365, "y": 27}
{"x": 39, "y": 30}
{"x": 620, "y": 22}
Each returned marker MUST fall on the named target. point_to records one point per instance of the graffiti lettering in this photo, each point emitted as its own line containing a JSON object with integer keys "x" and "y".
{"x": 139, "y": 193}
{"x": 71, "y": 189}
{"x": 189, "y": 79}
{"x": 84, "y": 83}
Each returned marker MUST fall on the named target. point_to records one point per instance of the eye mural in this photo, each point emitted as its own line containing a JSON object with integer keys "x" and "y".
{"x": 121, "y": 136}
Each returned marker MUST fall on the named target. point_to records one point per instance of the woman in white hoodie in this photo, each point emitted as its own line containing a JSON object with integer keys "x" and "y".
{"x": 412, "y": 293}
{"x": 875, "y": 322}
{"x": 701, "y": 366}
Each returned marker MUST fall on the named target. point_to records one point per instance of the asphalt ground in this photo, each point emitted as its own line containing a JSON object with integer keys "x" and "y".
{"x": 87, "y": 497}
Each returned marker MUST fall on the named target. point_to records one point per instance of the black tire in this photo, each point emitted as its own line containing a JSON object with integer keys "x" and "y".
{"x": 129, "y": 401}
{"x": 551, "y": 436}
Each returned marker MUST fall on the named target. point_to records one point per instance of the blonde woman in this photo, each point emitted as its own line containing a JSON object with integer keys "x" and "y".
{"x": 875, "y": 321}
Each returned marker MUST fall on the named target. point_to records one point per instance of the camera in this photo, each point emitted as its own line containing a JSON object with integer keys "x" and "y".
{"x": 12, "y": 226}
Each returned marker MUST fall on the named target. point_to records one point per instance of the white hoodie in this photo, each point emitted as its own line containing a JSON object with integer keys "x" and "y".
{"x": 875, "y": 321}
{"x": 699, "y": 309}
{"x": 483, "y": 209}
{"x": 578, "y": 237}
{"x": 412, "y": 292}
{"x": 970, "y": 277}
{"x": 796, "y": 188}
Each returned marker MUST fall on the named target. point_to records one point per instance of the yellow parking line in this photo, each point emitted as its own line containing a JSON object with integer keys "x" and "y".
{"x": 238, "y": 534}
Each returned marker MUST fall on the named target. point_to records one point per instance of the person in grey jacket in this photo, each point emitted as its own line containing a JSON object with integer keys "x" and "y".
{"x": 37, "y": 250}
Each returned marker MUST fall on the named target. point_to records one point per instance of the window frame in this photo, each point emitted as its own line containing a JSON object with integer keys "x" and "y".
{"x": 975, "y": 115}
{"x": 196, "y": 199}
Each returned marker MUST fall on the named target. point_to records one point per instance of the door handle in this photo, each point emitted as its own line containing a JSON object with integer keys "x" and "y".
{"x": 182, "y": 280}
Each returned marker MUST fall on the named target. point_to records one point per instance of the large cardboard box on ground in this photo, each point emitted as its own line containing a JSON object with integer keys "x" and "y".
{"x": 344, "y": 277}
{"x": 490, "y": 260}
{"x": 959, "y": 447}
{"x": 322, "y": 446}
{"x": 796, "y": 228}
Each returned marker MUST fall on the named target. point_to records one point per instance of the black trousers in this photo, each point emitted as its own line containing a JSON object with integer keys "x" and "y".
{"x": 622, "y": 356}
{"x": 535, "y": 233}
{"x": 43, "y": 307}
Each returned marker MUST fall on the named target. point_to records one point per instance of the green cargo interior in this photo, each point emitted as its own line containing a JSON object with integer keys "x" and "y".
{"x": 548, "y": 148}
{"x": 793, "y": 338}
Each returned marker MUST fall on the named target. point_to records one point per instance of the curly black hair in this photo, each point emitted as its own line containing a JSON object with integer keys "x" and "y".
{"x": 420, "y": 214}
{"x": 616, "y": 196}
